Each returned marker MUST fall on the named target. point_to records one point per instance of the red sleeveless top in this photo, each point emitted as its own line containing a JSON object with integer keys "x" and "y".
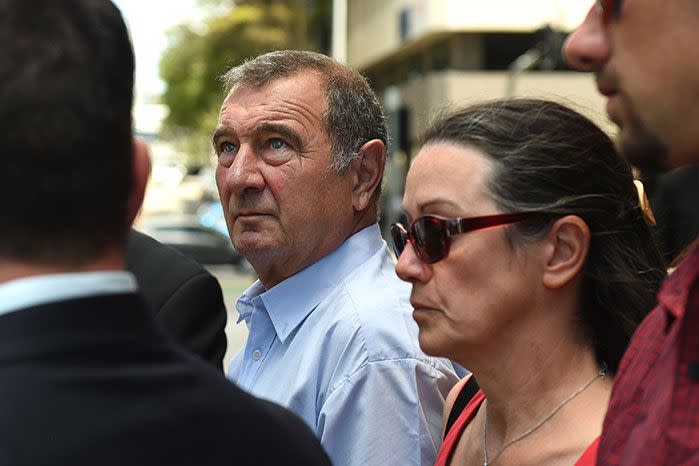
{"x": 588, "y": 458}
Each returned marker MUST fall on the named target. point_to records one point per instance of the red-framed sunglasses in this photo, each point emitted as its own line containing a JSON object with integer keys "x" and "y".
{"x": 609, "y": 9}
{"x": 431, "y": 235}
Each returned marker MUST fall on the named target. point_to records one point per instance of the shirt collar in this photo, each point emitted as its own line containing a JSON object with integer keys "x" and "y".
{"x": 41, "y": 289}
{"x": 291, "y": 301}
{"x": 674, "y": 292}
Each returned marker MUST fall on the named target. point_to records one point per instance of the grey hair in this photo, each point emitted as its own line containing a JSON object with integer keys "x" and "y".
{"x": 353, "y": 114}
{"x": 548, "y": 158}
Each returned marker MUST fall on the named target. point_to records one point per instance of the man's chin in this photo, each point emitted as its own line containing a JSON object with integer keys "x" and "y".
{"x": 249, "y": 246}
{"x": 642, "y": 149}
{"x": 253, "y": 246}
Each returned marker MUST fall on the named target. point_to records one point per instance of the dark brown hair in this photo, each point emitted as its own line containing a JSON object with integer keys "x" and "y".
{"x": 66, "y": 80}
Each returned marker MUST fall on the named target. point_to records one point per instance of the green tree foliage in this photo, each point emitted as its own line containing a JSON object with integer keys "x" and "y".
{"x": 198, "y": 54}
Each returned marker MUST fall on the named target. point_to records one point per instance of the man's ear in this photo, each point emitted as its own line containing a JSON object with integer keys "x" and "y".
{"x": 140, "y": 172}
{"x": 367, "y": 173}
{"x": 567, "y": 245}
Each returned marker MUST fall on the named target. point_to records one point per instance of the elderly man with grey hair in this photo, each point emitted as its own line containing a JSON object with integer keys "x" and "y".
{"x": 301, "y": 153}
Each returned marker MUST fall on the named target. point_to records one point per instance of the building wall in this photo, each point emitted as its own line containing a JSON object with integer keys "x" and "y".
{"x": 450, "y": 89}
{"x": 375, "y": 30}
{"x": 445, "y": 58}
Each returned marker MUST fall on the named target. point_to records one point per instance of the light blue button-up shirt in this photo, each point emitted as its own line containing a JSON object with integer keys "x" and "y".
{"x": 336, "y": 344}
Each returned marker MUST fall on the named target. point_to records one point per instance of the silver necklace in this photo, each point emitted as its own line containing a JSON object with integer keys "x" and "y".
{"x": 601, "y": 374}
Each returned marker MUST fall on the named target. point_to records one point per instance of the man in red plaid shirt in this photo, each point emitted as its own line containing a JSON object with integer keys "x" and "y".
{"x": 645, "y": 57}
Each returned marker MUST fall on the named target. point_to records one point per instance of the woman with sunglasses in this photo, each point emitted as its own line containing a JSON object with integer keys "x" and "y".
{"x": 531, "y": 265}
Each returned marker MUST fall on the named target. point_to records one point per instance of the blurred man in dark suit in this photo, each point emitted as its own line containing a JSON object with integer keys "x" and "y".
{"x": 185, "y": 299}
{"x": 86, "y": 376}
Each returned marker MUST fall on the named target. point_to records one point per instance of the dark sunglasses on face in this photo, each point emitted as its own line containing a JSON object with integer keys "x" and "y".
{"x": 431, "y": 235}
{"x": 609, "y": 9}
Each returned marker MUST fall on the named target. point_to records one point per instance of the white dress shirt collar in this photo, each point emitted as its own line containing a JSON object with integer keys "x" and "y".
{"x": 42, "y": 289}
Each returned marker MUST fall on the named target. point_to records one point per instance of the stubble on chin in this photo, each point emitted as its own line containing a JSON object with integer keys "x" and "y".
{"x": 639, "y": 146}
{"x": 642, "y": 149}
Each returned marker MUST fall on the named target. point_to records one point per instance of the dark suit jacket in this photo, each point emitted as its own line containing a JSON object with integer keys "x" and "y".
{"x": 185, "y": 299}
{"x": 92, "y": 381}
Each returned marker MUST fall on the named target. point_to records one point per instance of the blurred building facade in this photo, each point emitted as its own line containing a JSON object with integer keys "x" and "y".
{"x": 425, "y": 55}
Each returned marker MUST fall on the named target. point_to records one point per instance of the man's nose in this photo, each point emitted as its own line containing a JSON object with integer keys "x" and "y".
{"x": 244, "y": 173}
{"x": 588, "y": 48}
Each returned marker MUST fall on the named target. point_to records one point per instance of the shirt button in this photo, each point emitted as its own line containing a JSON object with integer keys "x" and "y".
{"x": 256, "y": 355}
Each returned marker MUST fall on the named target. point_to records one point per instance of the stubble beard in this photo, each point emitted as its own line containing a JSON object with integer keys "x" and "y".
{"x": 643, "y": 149}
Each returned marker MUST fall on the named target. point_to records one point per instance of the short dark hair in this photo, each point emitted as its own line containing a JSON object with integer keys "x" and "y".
{"x": 353, "y": 115}
{"x": 66, "y": 87}
{"x": 549, "y": 158}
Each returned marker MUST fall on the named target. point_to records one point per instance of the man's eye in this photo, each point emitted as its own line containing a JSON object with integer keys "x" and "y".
{"x": 277, "y": 144}
{"x": 227, "y": 147}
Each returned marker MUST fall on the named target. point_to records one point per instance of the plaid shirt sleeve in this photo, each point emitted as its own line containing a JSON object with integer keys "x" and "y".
{"x": 653, "y": 415}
